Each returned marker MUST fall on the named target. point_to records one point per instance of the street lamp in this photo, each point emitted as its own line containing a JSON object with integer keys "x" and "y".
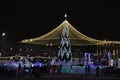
{"x": 3, "y": 34}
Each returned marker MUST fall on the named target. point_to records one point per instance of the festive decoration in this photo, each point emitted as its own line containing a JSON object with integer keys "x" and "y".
{"x": 76, "y": 37}
{"x": 53, "y": 37}
{"x": 64, "y": 53}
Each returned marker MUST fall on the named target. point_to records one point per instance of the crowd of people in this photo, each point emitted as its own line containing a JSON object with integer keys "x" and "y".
{"x": 34, "y": 71}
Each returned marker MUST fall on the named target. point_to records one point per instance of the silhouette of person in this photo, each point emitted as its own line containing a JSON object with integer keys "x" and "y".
{"x": 19, "y": 69}
{"x": 88, "y": 69}
{"x": 97, "y": 70}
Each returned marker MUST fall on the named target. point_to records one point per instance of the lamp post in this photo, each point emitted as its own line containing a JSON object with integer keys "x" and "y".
{"x": 3, "y": 35}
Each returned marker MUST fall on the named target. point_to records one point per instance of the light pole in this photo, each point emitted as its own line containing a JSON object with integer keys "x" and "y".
{"x": 3, "y": 35}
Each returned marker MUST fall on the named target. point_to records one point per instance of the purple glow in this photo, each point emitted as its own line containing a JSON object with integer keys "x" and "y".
{"x": 37, "y": 64}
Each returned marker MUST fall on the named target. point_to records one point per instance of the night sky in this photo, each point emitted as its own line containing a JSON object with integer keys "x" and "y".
{"x": 28, "y": 19}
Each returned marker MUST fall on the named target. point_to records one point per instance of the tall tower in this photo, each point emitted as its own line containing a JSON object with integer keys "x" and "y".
{"x": 64, "y": 53}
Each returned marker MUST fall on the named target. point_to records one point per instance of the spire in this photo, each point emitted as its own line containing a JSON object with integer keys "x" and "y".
{"x": 65, "y": 16}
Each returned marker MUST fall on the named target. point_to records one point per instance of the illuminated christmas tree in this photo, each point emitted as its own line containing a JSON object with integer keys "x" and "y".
{"x": 64, "y": 53}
